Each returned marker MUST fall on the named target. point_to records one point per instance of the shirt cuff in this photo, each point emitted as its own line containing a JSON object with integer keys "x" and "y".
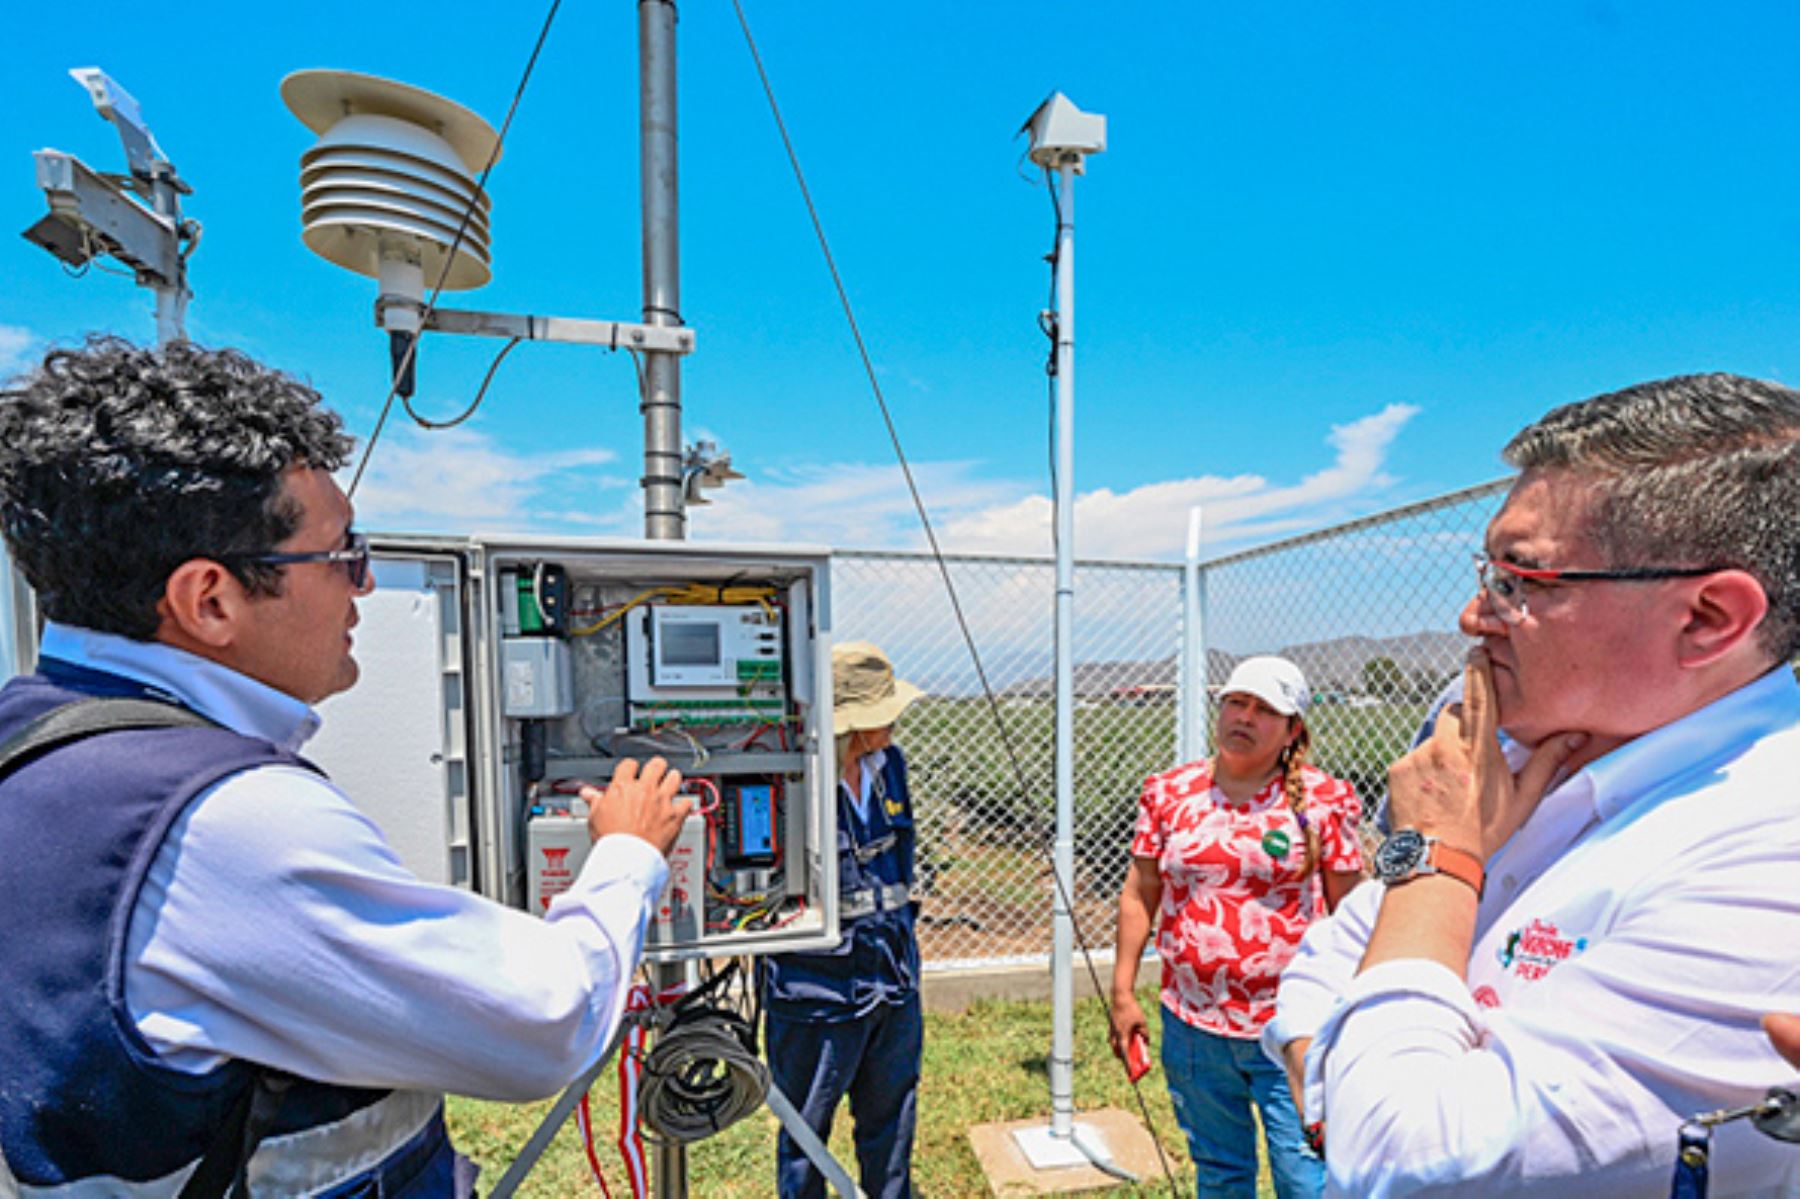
{"x": 1276, "y": 1034}
{"x": 623, "y": 857}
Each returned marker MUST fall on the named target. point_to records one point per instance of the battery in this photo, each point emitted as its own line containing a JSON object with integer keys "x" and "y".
{"x": 555, "y": 847}
{"x": 678, "y": 912}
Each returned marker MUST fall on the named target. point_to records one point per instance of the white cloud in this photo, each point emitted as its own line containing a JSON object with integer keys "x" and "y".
{"x": 459, "y": 481}
{"x": 1151, "y": 521}
{"x": 854, "y": 504}
{"x": 18, "y": 350}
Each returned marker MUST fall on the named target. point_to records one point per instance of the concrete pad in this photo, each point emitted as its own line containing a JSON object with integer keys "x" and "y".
{"x": 1009, "y": 1174}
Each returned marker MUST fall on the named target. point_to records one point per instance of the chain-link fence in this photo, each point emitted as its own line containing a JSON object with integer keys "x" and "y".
{"x": 1367, "y": 609}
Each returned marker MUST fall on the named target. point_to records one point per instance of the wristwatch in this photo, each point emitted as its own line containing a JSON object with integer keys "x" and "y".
{"x": 1408, "y": 853}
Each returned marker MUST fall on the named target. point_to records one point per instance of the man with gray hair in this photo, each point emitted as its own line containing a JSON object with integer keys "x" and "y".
{"x": 1573, "y": 936}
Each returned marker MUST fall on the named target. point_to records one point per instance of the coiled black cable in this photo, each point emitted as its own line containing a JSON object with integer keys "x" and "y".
{"x": 702, "y": 1076}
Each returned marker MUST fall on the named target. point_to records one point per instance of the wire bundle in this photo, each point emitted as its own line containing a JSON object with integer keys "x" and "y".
{"x": 703, "y": 1076}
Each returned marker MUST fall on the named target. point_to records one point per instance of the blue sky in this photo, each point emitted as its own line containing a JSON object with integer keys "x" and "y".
{"x": 1333, "y": 256}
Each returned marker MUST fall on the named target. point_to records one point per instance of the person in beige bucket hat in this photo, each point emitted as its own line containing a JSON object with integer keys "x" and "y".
{"x": 847, "y": 1020}
{"x": 865, "y": 695}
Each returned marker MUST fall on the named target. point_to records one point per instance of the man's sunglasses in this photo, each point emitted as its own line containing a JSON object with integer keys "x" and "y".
{"x": 354, "y": 558}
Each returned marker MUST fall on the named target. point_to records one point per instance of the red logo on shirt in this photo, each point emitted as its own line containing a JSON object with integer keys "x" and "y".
{"x": 1487, "y": 997}
{"x": 1533, "y": 951}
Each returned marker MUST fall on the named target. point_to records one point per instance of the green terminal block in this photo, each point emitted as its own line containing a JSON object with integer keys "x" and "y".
{"x": 756, "y": 670}
{"x": 530, "y": 619}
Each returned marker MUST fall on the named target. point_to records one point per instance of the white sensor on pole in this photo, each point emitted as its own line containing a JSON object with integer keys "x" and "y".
{"x": 1063, "y": 134}
{"x": 390, "y": 182}
{"x": 391, "y": 190}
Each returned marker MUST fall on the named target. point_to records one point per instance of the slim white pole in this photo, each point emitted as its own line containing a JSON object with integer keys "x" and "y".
{"x": 1191, "y": 738}
{"x": 1064, "y": 1143}
{"x": 1062, "y": 1041}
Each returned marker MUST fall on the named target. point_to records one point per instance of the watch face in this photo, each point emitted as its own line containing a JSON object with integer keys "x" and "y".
{"x": 1400, "y": 855}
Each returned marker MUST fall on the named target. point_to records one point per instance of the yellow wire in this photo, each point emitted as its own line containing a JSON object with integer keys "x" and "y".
{"x": 690, "y": 593}
{"x": 641, "y": 597}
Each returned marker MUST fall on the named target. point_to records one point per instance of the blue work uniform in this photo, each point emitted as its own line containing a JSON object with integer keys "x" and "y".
{"x": 847, "y": 1020}
{"x": 86, "y": 1108}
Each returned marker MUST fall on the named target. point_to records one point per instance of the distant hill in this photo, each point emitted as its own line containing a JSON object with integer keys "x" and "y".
{"x": 1338, "y": 664}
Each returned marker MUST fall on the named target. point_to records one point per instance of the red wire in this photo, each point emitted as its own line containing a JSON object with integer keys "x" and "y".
{"x": 799, "y": 910}
{"x": 709, "y": 785}
{"x": 587, "y": 1142}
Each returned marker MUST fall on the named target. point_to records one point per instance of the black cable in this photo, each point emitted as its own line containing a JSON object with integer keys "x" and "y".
{"x": 1051, "y": 325}
{"x": 475, "y": 403}
{"x": 462, "y": 228}
{"x": 937, "y": 553}
{"x": 704, "y": 1073}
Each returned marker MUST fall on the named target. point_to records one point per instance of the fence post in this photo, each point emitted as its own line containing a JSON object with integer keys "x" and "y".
{"x": 1190, "y": 718}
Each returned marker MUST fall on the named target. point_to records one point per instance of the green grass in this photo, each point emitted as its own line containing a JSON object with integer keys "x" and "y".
{"x": 985, "y": 1065}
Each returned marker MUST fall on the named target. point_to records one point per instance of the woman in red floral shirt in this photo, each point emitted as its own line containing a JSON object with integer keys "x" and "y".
{"x": 1236, "y": 854}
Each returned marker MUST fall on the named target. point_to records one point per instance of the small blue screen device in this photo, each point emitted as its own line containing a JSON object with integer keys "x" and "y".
{"x": 749, "y": 824}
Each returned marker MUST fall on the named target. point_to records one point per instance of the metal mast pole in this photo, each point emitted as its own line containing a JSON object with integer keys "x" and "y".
{"x": 1062, "y": 945}
{"x": 664, "y": 518}
{"x": 171, "y": 297}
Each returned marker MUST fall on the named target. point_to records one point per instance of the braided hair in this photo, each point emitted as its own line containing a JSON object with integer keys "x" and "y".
{"x": 1292, "y": 765}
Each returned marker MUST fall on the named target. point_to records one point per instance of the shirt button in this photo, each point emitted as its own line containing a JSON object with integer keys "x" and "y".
{"x": 1509, "y": 883}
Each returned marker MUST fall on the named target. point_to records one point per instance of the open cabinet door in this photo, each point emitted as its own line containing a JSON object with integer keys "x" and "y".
{"x": 18, "y": 620}
{"x": 398, "y": 741}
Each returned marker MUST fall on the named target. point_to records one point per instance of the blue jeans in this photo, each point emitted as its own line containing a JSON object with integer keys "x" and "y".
{"x": 1213, "y": 1081}
{"x": 875, "y": 1060}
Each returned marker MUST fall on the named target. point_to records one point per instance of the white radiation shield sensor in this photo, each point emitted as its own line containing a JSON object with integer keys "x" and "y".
{"x": 392, "y": 179}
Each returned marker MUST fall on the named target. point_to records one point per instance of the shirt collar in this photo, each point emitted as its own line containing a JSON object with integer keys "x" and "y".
{"x": 237, "y": 701}
{"x": 1704, "y": 739}
{"x": 872, "y": 762}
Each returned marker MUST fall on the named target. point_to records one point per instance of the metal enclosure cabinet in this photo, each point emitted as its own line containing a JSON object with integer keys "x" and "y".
{"x": 498, "y": 674}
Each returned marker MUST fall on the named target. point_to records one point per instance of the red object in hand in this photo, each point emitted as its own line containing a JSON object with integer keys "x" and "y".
{"x": 1137, "y": 1055}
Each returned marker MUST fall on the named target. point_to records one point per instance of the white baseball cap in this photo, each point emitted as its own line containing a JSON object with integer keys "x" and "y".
{"x": 1275, "y": 681}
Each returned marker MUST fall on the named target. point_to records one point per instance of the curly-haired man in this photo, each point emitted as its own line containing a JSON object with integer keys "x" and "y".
{"x": 208, "y": 948}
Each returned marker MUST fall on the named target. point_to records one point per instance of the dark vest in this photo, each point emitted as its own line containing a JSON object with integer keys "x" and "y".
{"x": 878, "y": 959}
{"x": 81, "y": 1094}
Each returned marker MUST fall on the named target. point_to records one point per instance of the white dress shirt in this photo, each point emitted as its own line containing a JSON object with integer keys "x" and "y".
{"x": 277, "y": 926}
{"x": 1632, "y": 933}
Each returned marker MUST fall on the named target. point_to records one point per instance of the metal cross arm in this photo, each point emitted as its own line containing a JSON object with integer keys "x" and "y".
{"x": 615, "y": 335}
{"x": 90, "y": 214}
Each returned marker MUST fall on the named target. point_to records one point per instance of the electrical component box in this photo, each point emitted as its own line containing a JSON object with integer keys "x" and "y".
{"x": 747, "y": 824}
{"x": 716, "y": 659}
{"x": 701, "y": 663}
{"x": 537, "y": 677}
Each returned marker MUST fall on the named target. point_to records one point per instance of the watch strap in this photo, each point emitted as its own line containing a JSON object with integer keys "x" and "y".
{"x": 1459, "y": 864}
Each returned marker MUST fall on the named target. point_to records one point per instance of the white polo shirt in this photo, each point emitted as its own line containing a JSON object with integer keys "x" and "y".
{"x": 1632, "y": 934}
